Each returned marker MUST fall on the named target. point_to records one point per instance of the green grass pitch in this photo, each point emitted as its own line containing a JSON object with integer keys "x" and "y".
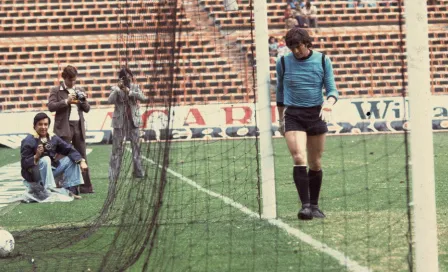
{"x": 363, "y": 196}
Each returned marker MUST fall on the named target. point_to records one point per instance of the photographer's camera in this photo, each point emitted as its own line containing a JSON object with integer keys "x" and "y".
{"x": 81, "y": 96}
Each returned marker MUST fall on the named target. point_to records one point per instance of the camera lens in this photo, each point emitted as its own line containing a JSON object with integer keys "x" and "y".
{"x": 80, "y": 96}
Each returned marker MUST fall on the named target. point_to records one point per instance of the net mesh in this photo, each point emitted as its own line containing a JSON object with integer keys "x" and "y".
{"x": 198, "y": 207}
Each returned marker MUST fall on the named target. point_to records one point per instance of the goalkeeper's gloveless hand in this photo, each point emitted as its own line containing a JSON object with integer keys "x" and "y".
{"x": 326, "y": 113}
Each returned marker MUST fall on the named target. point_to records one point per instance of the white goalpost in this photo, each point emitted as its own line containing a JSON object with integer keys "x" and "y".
{"x": 263, "y": 106}
{"x": 421, "y": 138}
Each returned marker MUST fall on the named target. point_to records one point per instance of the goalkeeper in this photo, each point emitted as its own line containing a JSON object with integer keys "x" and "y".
{"x": 304, "y": 113}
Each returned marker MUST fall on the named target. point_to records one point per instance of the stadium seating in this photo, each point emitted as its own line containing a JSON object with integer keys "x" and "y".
{"x": 212, "y": 56}
{"x": 21, "y": 17}
{"x": 330, "y": 14}
{"x": 31, "y": 69}
{"x": 369, "y": 62}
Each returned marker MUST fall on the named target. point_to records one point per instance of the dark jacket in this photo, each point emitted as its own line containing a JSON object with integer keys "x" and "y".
{"x": 56, "y": 103}
{"x": 55, "y": 145}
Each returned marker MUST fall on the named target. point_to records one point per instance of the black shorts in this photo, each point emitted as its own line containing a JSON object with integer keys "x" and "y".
{"x": 305, "y": 119}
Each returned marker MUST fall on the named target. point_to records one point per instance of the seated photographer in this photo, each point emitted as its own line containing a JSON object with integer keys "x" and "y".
{"x": 39, "y": 167}
{"x": 69, "y": 101}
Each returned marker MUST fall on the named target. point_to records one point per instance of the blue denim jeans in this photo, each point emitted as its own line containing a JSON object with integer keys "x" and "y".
{"x": 46, "y": 173}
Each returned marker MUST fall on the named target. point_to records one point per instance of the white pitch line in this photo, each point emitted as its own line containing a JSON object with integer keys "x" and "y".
{"x": 339, "y": 256}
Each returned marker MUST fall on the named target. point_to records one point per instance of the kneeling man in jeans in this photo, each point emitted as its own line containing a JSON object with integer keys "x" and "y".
{"x": 39, "y": 167}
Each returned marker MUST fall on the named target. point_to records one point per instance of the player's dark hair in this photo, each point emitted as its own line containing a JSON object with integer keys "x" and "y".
{"x": 296, "y": 36}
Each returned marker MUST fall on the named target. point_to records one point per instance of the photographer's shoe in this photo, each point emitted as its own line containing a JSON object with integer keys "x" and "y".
{"x": 86, "y": 189}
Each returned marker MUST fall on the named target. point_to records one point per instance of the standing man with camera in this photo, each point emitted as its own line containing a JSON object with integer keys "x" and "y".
{"x": 70, "y": 102}
{"x": 126, "y": 122}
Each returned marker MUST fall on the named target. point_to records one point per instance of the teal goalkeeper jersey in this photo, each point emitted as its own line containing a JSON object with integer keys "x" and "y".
{"x": 302, "y": 83}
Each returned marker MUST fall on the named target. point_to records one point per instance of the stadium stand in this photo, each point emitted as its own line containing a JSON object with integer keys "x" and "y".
{"x": 368, "y": 60}
{"x": 39, "y": 37}
{"x": 331, "y": 14}
{"x": 32, "y": 67}
{"x": 51, "y": 17}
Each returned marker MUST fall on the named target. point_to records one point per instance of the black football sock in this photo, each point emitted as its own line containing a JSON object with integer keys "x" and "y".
{"x": 302, "y": 184}
{"x": 315, "y": 179}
